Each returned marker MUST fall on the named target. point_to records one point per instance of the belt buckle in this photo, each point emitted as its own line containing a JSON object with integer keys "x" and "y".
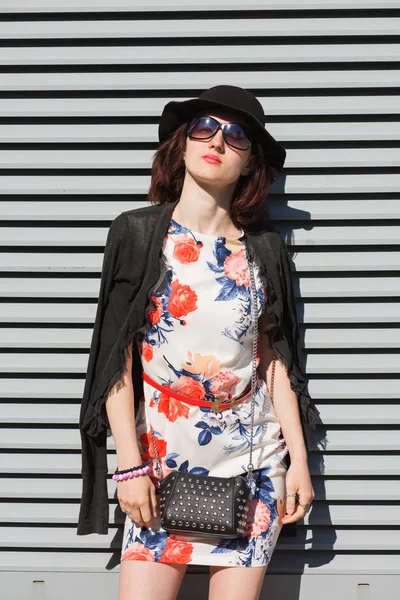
{"x": 214, "y": 404}
{"x": 234, "y": 403}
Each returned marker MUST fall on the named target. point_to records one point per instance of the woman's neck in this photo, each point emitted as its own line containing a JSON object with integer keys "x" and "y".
{"x": 204, "y": 213}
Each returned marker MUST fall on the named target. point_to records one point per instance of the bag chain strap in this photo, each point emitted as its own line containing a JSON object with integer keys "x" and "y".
{"x": 250, "y": 466}
{"x": 254, "y": 306}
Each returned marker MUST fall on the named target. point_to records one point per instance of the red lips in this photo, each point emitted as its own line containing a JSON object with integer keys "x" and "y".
{"x": 211, "y": 158}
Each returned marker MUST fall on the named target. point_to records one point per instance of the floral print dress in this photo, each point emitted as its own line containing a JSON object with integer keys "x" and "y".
{"x": 199, "y": 341}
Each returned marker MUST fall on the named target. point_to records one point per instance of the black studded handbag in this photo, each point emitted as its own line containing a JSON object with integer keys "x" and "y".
{"x": 204, "y": 504}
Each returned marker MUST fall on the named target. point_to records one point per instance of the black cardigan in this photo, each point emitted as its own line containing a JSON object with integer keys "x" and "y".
{"x": 133, "y": 265}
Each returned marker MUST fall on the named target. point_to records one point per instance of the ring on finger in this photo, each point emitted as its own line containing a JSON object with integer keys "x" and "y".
{"x": 306, "y": 506}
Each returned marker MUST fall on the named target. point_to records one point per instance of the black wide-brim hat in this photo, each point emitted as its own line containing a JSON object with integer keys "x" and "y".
{"x": 230, "y": 97}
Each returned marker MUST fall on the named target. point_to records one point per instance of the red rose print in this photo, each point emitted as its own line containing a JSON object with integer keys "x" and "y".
{"x": 176, "y": 552}
{"x": 154, "y": 315}
{"x": 138, "y": 551}
{"x": 172, "y": 408}
{"x": 235, "y": 267}
{"x": 148, "y": 448}
{"x": 147, "y": 351}
{"x": 258, "y": 517}
{"x": 186, "y": 250}
{"x": 190, "y": 387}
{"x": 182, "y": 300}
{"x": 222, "y": 384}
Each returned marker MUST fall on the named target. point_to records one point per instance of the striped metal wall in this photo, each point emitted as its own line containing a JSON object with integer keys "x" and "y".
{"x": 82, "y": 86}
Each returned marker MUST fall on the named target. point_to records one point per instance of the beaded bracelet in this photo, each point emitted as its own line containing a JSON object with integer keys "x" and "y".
{"x": 130, "y": 473}
{"x": 131, "y": 469}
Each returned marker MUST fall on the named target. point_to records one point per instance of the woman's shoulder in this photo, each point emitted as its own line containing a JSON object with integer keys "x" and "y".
{"x": 133, "y": 221}
{"x": 142, "y": 212}
{"x": 266, "y": 234}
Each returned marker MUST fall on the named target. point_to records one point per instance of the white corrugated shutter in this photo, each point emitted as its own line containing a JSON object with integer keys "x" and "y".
{"x": 82, "y": 86}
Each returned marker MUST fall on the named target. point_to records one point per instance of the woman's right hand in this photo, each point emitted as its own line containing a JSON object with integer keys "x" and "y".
{"x": 139, "y": 496}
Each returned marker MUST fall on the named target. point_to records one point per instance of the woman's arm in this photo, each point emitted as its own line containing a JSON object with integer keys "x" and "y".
{"x": 120, "y": 409}
{"x": 138, "y": 495}
{"x": 285, "y": 399}
{"x": 298, "y": 480}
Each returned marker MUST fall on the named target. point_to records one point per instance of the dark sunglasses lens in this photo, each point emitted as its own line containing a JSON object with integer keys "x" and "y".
{"x": 236, "y": 136}
{"x": 203, "y": 128}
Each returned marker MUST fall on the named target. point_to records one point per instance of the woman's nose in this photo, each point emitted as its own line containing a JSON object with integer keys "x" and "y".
{"x": 217, "y": 139}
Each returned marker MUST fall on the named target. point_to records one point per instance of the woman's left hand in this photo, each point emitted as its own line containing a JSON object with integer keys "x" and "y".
{"x": 298, "y": 481}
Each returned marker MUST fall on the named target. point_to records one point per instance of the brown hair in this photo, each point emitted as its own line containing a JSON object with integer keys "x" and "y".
{"x": 168, "y": 172}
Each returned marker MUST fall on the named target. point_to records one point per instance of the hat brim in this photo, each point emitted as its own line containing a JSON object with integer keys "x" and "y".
{"x": 175, "y": 113}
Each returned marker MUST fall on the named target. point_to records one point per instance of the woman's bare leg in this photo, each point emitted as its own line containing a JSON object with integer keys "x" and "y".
{"x": 236, "y": 583}
{"x": 142, "y": 580}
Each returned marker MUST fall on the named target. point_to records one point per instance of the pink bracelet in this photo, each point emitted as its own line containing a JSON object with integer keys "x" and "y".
{"x": 131, "y": 474}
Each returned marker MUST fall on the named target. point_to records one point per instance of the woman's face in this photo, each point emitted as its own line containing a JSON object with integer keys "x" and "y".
{"x": 229, "y": 164}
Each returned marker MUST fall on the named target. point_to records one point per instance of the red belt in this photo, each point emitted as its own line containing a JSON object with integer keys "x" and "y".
{"x": 215, "y": 405}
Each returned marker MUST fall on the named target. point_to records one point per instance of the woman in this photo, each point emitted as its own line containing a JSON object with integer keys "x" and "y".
{"x": 217, "y": 158}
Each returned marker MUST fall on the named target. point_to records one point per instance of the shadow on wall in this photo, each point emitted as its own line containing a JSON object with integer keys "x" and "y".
{"x": 305, "y": 548}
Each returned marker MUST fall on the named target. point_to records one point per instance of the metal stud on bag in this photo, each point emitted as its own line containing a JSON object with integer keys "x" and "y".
{"x": 219, "y": 503}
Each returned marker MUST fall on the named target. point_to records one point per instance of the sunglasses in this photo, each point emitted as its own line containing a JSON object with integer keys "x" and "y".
{"x": 204, "y": 128}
